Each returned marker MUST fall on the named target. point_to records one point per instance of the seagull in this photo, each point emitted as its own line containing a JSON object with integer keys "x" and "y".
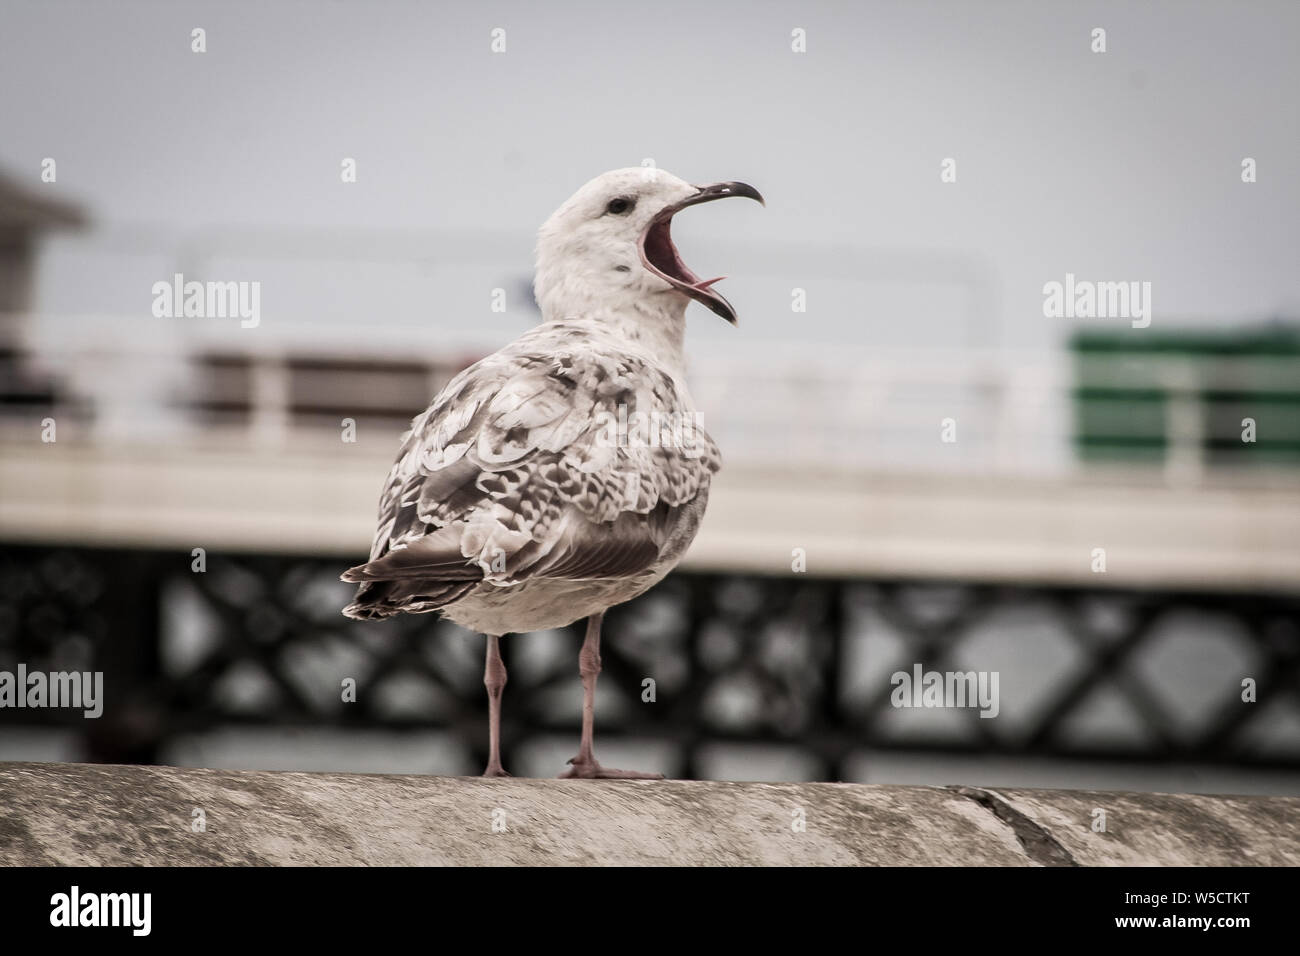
{"x": 567, "y": 472}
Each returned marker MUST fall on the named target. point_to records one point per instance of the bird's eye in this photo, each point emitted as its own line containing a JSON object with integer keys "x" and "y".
{"x": 620, "y": 205}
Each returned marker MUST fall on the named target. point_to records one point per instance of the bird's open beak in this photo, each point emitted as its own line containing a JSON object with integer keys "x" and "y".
{"x": 660, "y": 256}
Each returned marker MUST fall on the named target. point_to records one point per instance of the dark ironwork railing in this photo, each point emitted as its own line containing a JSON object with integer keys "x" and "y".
{"x": 793, "y": 661}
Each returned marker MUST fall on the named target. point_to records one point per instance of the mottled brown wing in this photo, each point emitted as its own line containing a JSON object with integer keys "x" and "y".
{"x": 520, "y": 469}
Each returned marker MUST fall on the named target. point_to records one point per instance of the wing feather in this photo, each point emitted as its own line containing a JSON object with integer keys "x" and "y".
{"x": 519, "y": 468}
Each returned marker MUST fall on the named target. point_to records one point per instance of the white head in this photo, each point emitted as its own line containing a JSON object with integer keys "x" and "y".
{"x": 608, "y": 248}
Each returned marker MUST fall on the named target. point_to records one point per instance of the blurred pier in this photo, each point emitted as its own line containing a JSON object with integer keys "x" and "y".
{"x": 845, "y": 539}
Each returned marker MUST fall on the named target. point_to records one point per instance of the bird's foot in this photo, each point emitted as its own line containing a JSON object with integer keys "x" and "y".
{"x": 592, "y": 770}
{"x": 495, "y": 770}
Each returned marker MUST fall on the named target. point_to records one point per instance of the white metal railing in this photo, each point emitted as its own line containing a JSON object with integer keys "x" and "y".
{"x": 965, "y": 411}
{"x": 894, "y": 410}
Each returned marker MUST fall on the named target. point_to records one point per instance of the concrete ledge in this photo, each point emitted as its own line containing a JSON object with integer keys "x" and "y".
{"x": 86, "y": 814}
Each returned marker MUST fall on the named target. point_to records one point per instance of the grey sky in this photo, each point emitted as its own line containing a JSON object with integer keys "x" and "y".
{"x": 1117, "y": 166}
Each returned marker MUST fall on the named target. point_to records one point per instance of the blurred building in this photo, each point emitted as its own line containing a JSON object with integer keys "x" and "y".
{"x": 24, "y": 217}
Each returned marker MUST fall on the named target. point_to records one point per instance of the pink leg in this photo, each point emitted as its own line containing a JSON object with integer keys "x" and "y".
{"x": 585, "y": 766}
{"x": 494, "y": 679}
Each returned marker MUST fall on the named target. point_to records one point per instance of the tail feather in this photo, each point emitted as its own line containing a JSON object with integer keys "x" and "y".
{"x": 376, "y": 600}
